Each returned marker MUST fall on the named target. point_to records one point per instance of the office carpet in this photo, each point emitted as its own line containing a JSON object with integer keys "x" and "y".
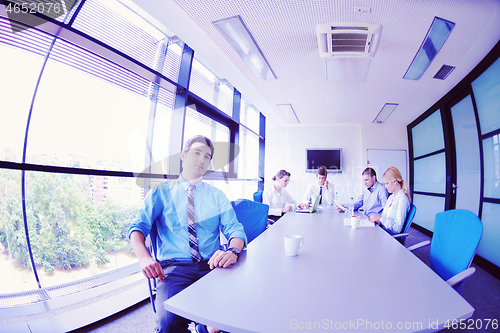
{"x": 482, "y": 291}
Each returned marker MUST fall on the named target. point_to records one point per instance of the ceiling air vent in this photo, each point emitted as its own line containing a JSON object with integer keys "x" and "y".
{"x": 348, "y": 39}
{"x": 443, "y": 72}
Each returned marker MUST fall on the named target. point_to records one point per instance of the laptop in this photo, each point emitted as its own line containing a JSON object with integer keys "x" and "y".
{"x": 311, "y": 209}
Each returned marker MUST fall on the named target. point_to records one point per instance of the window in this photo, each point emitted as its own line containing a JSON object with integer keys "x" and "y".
{"x": 210, "y": 88}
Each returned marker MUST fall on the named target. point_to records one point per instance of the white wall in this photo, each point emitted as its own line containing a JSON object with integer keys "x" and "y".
{"x": 286, "y": 147}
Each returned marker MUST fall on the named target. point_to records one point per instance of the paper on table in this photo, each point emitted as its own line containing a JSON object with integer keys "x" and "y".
{"x": 363, "y": 223}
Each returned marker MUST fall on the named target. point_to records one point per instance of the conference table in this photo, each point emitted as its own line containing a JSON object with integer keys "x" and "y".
{"x": 342, "y": 279}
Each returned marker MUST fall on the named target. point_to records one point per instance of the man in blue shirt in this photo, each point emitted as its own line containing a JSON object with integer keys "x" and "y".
{"x": 189, "y": 215}
{"x": 374, "y": 195}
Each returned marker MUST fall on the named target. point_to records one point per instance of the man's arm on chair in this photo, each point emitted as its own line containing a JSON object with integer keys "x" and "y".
{"x": 149, "y": 266}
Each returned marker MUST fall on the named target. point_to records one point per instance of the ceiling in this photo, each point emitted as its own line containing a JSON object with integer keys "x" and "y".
{"x": 285, "y": 32}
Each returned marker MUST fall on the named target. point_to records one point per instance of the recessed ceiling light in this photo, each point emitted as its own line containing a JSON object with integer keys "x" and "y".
{"x": 236, "y": 33}
{"x": 289, "y": 113}
{"x": 437, "y": 35}
{"x": 385, "y": 112}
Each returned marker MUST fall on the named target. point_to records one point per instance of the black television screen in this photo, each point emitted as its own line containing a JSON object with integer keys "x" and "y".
{"x": 330, "y": 158}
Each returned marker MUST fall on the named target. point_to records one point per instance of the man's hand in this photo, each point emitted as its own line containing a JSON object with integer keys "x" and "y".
{"x": 286, "y": 209}
{"x": 222, "y": 259}
{"x": 326, "y": 184}
{"x": 151, "y": 268}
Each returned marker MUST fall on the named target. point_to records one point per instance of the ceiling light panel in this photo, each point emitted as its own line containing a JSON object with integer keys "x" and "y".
{"x": 236, "y": 33}
{"x": 437, "y": 35}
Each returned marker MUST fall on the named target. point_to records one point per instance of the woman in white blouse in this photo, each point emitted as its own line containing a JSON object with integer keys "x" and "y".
{"x": 277, "y": 197}
{"x": 397, "y": 206}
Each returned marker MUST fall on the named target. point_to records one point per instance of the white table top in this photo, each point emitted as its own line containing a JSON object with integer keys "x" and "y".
{"x": 343, "y": 278}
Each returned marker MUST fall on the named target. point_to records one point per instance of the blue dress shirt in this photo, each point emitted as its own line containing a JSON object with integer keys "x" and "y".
{"x": 167, "y": 205}
{"x": 373, "y": 200}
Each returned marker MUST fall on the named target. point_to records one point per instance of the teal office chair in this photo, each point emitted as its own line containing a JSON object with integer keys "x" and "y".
{"x": 456, "y": 236}
{"x": 253, "y": 216}
{"x": 257, "y": 196}
{"x": 406, "y": 226}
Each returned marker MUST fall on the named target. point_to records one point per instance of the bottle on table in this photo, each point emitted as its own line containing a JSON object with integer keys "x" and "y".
{"x": 351, "y": 207}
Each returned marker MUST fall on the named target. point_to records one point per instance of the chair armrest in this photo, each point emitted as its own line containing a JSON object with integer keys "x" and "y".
{"x": 401, "y": 235}
{"x": 461, "y": 276}
{"x": 419, "y": 245}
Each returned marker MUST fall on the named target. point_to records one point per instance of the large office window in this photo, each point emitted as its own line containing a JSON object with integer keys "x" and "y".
{"x": 83, "y": 138}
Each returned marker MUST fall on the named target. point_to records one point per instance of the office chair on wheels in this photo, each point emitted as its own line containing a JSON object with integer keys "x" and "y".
{"x": 457, "y": 233}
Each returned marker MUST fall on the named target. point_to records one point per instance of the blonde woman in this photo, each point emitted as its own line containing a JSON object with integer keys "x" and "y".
{"x": 397, "y": 206}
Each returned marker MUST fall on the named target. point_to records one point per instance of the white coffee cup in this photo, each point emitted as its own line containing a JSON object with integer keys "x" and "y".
{"x": 293, "y": 244}
{"x": 355, "y": 222}
{"x": 294, "y": 206}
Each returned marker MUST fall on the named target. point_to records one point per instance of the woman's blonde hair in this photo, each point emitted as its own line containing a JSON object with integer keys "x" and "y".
{"x": 392, "y": 173}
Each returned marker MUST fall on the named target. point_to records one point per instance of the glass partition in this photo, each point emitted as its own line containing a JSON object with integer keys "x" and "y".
{"x": 428, "y": 135}
{"x": 491, "y": 155}
{"x": 487, "y": 95}
{"x": 430, "y": 174}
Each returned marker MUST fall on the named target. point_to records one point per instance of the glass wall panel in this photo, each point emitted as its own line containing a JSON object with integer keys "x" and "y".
{"x": 428, "y": 135}
{"x": 248, "y": 166}
{"x": 468, "y": 184}
{"x": 489, "y": 247}
{"x": 249, "y": 115}
{"x": 81, "y": 120}
{"x": 430, "y": 174}
{"x": 78, "y": 224}
{"x": 427, "y": 208}
{"x": 16, "y": 91}
{"x": 487, "y": 94}
{"x": 491, "y": 155}
{"x": 118, "y": 26}
{"x": 198, "y": 124}
{"x": 15, "y": 266}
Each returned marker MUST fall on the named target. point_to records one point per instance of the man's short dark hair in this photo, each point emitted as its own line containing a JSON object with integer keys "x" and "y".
{"x": 369, "y": 171}
{"x": 322, "y": 171}
{"x": 200, "y": 139}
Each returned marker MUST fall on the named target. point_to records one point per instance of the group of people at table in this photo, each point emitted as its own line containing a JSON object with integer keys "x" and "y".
{"x": 187, "y": 215}
{"x": 387, "y": 211}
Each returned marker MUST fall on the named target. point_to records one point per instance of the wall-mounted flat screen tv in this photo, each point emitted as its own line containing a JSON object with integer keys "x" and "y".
{"x": 331, "y": 158}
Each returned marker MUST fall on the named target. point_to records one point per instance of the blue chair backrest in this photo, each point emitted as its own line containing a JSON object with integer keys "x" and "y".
{"x": 253, "y": 216}
{"x": 457, "y": 233}
{"x": 409, "y": 219}
{"x": 257, "y": 196}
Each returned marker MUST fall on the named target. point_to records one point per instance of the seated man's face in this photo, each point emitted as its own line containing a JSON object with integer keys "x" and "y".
{"x": 369, "y": 181}
{"x": 321, "y": 180}
{"x": 196, "y": 160}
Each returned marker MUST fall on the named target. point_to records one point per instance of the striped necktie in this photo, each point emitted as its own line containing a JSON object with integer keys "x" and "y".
{"x": 320, "y": 195}
{"x": 193, "y": 241}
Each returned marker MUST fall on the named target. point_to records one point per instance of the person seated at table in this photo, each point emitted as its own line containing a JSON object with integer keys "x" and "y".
{"x": 277, "y": 197}
{"x": 321, "y": 187}
{"x": 397, "y": 206}
{"x": 189, "y": 215}
{"x": 374, "y": 196}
